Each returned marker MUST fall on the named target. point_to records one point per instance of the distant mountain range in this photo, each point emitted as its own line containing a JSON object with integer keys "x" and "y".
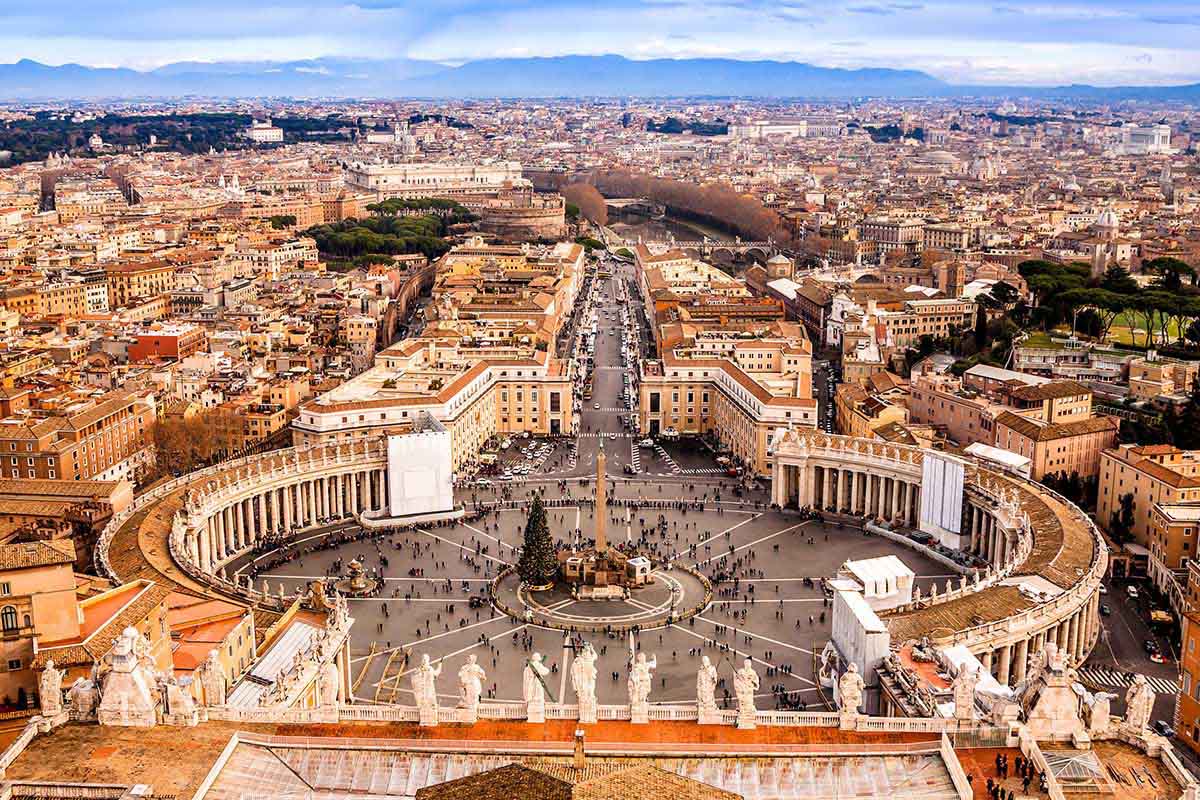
{"x": 564, "y": 76}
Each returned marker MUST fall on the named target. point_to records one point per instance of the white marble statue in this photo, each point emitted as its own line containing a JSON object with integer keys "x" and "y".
{"x": 964, "y": 693}
{"x": 1139, "y": 704}
{"x": 50, "y": 690}
{"x": 706, "y": 691}
{"x": 81, "y": 699}
{"x": 533, "y": 688}
{"x": 212, "y": 679}
{"x": 583, "y": 681}
{"x": 850, "y": 690}
{"x": 640, "y": 680}
{"x": 180, "y": 705}
{"x": 424, "y": 687}
{"x": 470, "y": 687}
{"x": 745, "y": 684}
{"x": 330, "y": 684}
{"x": 1100, "y": 713}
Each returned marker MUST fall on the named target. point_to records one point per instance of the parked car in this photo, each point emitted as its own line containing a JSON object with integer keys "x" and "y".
{"x": 1105, "y": 610}
{"x": 1131, "y": 592}
{"x": 1150, "y": 646}
{"x": 1163, "y": 728}
{"x": 646, "y": 443}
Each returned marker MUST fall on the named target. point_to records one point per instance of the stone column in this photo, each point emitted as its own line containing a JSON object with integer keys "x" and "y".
{"x": 245, "y": 516}
{"x": 986, "y": 660}
{"x": 275, "y": 504}
{"x": 827, "y": 493}
{"x": 1020, "y": 661}
{"x": 310, "y": 514}
{"x": 289, "y": 506}
{"x": 230, "y": 530}
{"x": 897, "y": 488}
{"x": 1062, "y": 633}
{"x": 1005, "y": 660}
{"x": 854, "y": 476}
{"x": 263, "y": 525}
{"x": 204, "y": 544}
{"x": 1073, "y": 637}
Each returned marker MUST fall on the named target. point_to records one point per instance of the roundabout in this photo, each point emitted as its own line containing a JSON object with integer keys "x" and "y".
{"x": 673, "y": 595}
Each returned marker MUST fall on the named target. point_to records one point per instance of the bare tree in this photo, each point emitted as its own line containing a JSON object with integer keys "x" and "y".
{"x": 591, "y": 203}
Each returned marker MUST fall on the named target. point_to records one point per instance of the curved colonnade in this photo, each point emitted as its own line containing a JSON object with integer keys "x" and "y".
{"x": 1046, "y": 558}
{"x": 206, "y": 520}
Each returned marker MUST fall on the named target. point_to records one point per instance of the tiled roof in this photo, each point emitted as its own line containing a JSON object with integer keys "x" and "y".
{"x": 37, "y": 554}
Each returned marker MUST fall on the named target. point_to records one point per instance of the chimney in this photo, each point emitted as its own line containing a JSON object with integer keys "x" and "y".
{"x": 579, "y": 757}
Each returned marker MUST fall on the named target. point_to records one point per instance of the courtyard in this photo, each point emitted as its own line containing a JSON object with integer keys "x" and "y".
{"x": 765, "y": 568}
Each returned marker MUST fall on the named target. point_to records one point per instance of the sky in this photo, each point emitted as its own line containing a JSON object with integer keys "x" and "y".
{"x": 1030, "y": 42}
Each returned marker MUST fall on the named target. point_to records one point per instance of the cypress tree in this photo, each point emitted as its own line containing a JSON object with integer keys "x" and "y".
{"x": 538, "y": 565}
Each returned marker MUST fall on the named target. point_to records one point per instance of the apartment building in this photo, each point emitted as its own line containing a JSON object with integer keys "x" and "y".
{"x": 890, "y": 233}
{"x": 137, "y": 280}
{"x": 1153, "y": 475}
{"x": 167, "y": 342}
{"x": 739, "y": 390}
{"x": 861, "y": 413}
{"x": 937, "y": 318}
{"x": 1187, "y": 703}
{"x": 476, "y": 393}
{"x": 1163, "y": 380}
{"x": 37, "y": 603}
{"x": 507, "y": 294}
{"x": 105, "y": 438}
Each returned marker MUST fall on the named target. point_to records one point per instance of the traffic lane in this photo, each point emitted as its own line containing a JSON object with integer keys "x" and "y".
{"x": 1123, "y": 636}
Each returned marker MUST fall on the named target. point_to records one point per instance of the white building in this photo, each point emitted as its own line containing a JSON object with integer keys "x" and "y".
{"x": 401, "y": 180}
{"x": 1143, "y": 140}
{"x": 263, "y": 131}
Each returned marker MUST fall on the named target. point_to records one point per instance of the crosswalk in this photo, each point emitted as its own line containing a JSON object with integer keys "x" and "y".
{"x": 635, "y": 457}
{"x": 703, "y": 471}
{"x": 611, "y": 409}
{"x": 602, "y": 435}
{"x": 1105, "y": 677}
{"x": 665, "y": 456}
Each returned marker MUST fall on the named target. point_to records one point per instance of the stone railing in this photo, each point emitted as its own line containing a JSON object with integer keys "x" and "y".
{"x": 958, "y": 775}
{"x": 674, "y": 712}
{"x": 42, "y": 790}
{"x": 1029, "y": 747}
{"x": 36, "y": 725}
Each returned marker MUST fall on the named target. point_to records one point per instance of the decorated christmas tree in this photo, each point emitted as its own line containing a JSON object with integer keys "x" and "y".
{"x": 538, "y": 564}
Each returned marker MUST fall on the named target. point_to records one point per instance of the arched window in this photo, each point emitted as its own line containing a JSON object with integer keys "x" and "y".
{"x": 8, "y": 618}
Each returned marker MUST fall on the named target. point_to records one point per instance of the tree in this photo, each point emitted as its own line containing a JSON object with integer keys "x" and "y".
{"x": 981, "y": 326}
{"x": 1107, "y": 305}
{"x": 1183, "y": 425}
{"x": 1117, "y": 279}
{"x": 1120, "y": 527}
{"x": 538, "y": 564}
{"x": 588, "y": 201}
{"x": 1171, "y": 272}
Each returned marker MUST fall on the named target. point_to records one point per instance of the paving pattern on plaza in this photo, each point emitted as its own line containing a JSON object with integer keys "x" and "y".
{"x": 776, "y": 617}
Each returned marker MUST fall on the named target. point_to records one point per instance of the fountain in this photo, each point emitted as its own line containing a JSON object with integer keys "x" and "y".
{"x": 356, "y": 583}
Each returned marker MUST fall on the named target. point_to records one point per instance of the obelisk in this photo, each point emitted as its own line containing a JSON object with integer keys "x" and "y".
{"x": 601, "y": 502}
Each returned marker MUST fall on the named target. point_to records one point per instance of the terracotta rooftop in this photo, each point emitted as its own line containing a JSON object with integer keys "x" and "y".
{"x": 176, "y": 760}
